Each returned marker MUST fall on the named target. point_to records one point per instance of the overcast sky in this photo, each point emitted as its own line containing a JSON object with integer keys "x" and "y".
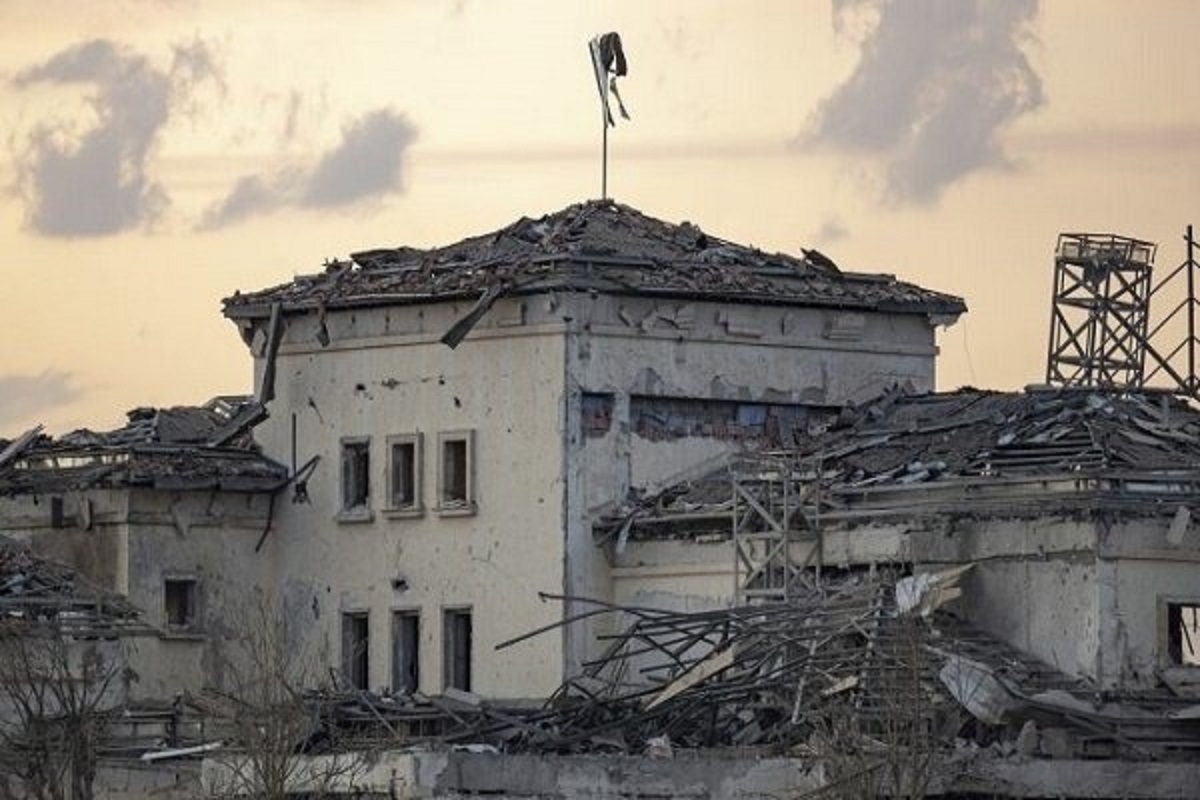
{"x": 160, "y": 154}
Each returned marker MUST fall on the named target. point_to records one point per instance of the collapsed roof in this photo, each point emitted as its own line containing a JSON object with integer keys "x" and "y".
{"x": 601, "y": 246}
{"x": 184, "y": 447}
{"x": 857, "y": 663}
{"x": 971, "y": 451}
{"x": 35, "y": 590}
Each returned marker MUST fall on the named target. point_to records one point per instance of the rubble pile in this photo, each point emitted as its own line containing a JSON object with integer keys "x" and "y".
{"x": 600, "y": 246}
{"x": 34, "y": 588}
{"x": 184, "y": 447}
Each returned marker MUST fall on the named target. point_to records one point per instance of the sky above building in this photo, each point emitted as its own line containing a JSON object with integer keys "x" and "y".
{"x": 160, "y": 154}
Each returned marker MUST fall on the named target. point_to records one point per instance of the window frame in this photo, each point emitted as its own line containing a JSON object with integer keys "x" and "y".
{"x": 346, "y": 512}
{"x": 399, "y": 614}
{"x": 347, "y": 658}
{"x": 1165, "y": 656}
{"x": 192, "y": 625}
{"x": 417, "y": 507}
{"x": 450, "y": 648}
{"x": 469, "y": 504}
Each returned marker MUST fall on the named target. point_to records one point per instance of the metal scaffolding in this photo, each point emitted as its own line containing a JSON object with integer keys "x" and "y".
{"x": 1100, "y": 314}
{"x": 778, "y": 547}
{"x": 1102, "y": 333}
{"x": 1173, "y": 338}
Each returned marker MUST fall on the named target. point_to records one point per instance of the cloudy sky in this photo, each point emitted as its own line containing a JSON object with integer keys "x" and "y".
{"x": 159, "y": 154}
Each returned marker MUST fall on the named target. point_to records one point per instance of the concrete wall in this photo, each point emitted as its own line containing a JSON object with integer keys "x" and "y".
{"x": 138, "y": 539}
{"x": 384, "y": 373}
{"x": 132, "y": 780}
{"x": 518, "y": 381}
{"x": 1141, "y": 569}
{"x": 633, "y": 347}
{"x": 1033, "y": 585}
{"x": 730, "y": 776}
{"x": 403, "y": 775}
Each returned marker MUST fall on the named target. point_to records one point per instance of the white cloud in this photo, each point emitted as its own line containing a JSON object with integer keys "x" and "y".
{"x": 99, "y": 182}
{"x": 367, "y": 164}
{"x": 937, "y": 83}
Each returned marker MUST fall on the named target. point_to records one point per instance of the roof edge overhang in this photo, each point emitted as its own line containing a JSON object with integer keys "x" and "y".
{"x": 949, "y": 306}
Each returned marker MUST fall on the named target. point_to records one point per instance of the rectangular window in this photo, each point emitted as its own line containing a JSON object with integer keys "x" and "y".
{"x": 456, "y": 491}
{"x": 356, "y": 649}
{"x": 179, "y": 602}
{"x": 356, "y": 475}
{"x": 404, "y": 472}
{"x": 406, "y": 651}
{"x": 456, "y": 644}
{"x": 1183, "y": 634}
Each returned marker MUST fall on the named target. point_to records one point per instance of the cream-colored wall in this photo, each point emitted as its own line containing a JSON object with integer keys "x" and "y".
{"x": 138, "y": 538}
{"x": 1141, "y": 570}
{"x": 210, "y": 538}
{"x": 674, "y": 574}
{"x": 385, "y": 373}
{"x": 517, "y": 380}
{"x": 1033, "y": 584}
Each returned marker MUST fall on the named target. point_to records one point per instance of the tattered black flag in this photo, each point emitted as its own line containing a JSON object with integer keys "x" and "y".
{"x": 608, "y": 60}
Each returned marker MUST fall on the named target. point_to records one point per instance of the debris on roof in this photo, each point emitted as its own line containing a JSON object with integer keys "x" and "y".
{"x": 164, "y": 448}
{"x": 972, "y": 451}
{"x": 598, "y": 245}
{"x": 35, "y": 589}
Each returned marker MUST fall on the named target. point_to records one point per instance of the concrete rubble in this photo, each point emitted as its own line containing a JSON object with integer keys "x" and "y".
{"x": 169, "y": 448}
{"x": 596, "y": 246}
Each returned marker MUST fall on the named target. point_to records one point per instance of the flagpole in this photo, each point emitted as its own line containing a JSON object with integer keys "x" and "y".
{"x": 604, "y": 157}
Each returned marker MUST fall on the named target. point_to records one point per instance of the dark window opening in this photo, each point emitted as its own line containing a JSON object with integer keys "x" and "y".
{"x": 457, "y": 646}
{"x": 179, "y": 602}
{"x": 752, "y": 424}
{"x": 406, "y": 651}
{"x": 596, "y": 414}
{"x": 404, "y": 475}
{"x": 356, "y": 475}
{"x": 1183, "y": 633}
{"x": 454, "y": 472}
{"x": 355, "y": 649}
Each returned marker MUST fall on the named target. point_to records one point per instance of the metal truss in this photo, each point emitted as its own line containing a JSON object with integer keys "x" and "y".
{"x": 1100, "y": 314}
{"x": 777, "y": 540}
{"x": 1100, "y": 324}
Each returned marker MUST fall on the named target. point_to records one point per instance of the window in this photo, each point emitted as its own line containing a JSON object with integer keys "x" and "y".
{"x": 404, "y": 473}
{"x": 406, "y": 651}
{"x": 179, "y": 602}
{"x": 1183, "y": 634}
{"x": 356, "y": 649}
{"x": 456, "y": 490}
{"x": 356, "y": 478}
{"x": 456, "y": 644}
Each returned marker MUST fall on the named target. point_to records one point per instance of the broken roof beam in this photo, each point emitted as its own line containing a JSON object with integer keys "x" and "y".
{"x": 453, "y": 337}
{"x": 249, "y": 416}
{"x": 20, "y": 445}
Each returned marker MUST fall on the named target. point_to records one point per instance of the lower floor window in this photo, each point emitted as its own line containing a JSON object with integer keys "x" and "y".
{"x": 356, "y": 649}
{"x": 179, "y": 602}
{"x": 406, "y": 651}
{"x": 456, "y": 635}
{"x": 1183, "y": 633}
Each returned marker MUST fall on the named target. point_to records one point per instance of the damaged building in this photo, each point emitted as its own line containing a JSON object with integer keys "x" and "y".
{"x": 1074, "y": 507}
{"x": 596, "y": 352}
{"x": 167, "y": 511}
{"x": 701, "y": 497}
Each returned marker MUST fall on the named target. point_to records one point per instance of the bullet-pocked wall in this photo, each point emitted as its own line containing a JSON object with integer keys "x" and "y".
{"x": 665, "y": 389}
{"x": 460, "y": 549}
